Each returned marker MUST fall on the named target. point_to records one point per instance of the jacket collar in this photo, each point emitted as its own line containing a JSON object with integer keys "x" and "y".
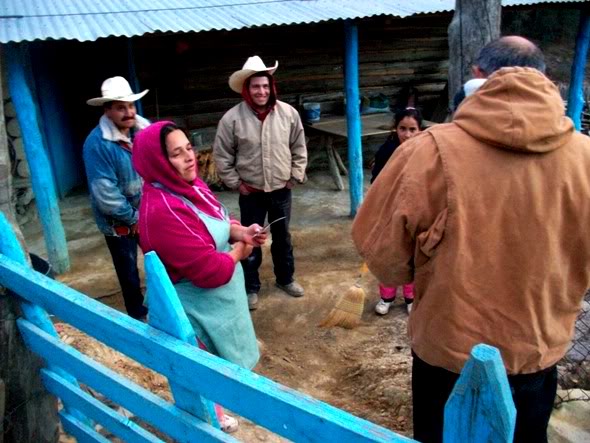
{"x": 111, "y": 133}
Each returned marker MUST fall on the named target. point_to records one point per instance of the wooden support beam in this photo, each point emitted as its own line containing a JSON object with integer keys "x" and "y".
{"x": 332, "y": 164}
{"x": 575, "y": 101}
{"x": 41, "y": 171}
{"x": 353, "y": 115}
{"x": 475, "y": 24}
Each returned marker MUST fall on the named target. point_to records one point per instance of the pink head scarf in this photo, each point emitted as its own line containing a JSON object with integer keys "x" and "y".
{"x": 151, "y": 163}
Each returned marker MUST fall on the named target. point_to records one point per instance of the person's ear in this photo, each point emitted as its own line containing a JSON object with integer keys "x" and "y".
{"x": 477, "y": 72}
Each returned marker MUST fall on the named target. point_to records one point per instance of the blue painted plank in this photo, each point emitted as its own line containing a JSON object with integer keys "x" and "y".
{"x": 41, "y": 173}
{"x": 10, "y": 246}
{"x": 79, "y": 430}
{"x": 480, "y": 408}
{"x": 353, "y": 115}
{"x": 575, "y": 101}
{"x": 166, "y": 311}
{"x": 166, "y": 417}
{"x": 276, "y": 407}
{"x": 118, "y": 425}
{"x": 167, "y": 314}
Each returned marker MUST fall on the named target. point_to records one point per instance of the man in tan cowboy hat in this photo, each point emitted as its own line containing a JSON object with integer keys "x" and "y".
{"x": 114, "y": 185}
{"x": 260, "y": 151}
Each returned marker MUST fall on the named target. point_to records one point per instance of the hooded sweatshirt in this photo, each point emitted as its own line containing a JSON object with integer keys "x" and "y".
{"x": 171, "y": 228}
{"x": 486, "y": 215}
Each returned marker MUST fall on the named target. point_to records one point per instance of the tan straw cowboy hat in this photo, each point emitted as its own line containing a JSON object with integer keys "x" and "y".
{"x": 116, "y": 89}
{"x": 253, "y": 65}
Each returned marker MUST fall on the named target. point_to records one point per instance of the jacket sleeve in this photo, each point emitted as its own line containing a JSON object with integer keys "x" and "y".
{"x": 403, "y": 217}
{"x": 298, "y": 149}
{"x": 184, "y": 244}
{"x": 224, "y": 154}
{"x": 103, "y": 184}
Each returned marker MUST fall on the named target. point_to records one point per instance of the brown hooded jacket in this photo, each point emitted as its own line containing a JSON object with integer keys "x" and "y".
{"x": 488, "y": 216}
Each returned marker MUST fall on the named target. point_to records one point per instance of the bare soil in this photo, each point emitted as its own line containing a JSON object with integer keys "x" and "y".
{"x": 365, "y": 371}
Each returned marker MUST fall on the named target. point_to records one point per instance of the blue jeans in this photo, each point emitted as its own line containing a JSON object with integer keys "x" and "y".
{"x": 124, "y": 253}
{"x": 254, "y": 209}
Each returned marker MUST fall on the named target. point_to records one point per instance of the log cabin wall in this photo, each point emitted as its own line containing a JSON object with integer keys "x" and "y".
{"x": 188, "y": 73}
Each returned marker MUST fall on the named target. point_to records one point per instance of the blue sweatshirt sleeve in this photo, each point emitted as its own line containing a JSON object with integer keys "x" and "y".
{"x": 104, "y": 184}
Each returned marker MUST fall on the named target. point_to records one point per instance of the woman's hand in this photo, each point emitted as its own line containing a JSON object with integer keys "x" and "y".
{"x": 250, "y": 235}
{"x": 254, "y": 236}
{"x": 240, "y": 251}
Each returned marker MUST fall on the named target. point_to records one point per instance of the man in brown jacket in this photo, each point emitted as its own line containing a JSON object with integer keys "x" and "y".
{"x": 487, "y": 215}
{"x": 260, "y": 151}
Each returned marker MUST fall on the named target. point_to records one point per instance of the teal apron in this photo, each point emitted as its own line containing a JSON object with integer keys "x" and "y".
{"x": 220, "y": 316}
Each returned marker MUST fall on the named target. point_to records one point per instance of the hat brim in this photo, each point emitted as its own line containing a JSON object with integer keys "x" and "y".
{"x": 99, "y": 101}
{"x": 237, "y": 79}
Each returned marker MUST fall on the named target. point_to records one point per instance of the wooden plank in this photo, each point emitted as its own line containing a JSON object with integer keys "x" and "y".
{"x": 353, "y": 118}
{"x": 475, "y": 24}
{"x": 167, "y": 314}
{"x": 269, "y": 404}
{"x": 107, "y": 417}
{"x": 79, "y": 430}
{"x": 165, "y": 416}
{"x": 480, "y": 408}
{"x": 41, "y": 172}
{"x": 332, "y": 165}
{"x": 576, "y": 91}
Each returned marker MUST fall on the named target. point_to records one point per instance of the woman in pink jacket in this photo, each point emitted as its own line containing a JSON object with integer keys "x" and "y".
{"x": 184, "y": 223}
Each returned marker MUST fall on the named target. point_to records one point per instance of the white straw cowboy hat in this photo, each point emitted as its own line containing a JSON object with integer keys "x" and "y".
{"x": 115, "y": 89}
{"x": 253, "y": 65}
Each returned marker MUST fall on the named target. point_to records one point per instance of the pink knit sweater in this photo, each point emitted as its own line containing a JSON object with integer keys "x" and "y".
{"x": 170, "y": 228}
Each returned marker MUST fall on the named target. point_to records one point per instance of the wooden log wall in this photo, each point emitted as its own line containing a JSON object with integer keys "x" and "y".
{"x": 187, "y": 74}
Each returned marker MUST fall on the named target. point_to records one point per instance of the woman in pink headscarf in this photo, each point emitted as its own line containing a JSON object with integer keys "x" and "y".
{"x": 184, "y": 223}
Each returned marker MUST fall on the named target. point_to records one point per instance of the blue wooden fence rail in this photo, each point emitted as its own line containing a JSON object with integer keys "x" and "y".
{"x": 196, "y": 377}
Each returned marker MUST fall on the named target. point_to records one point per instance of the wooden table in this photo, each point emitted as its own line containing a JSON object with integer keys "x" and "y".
{"x": 330, "y": 127}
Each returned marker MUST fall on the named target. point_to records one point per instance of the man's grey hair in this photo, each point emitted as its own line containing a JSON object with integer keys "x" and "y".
{"x": 510, "y": 51}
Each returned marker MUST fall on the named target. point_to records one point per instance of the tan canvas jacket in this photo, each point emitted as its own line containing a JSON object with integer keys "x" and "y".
{"x": 488, "y": 216}
{"x": 264, "y": 155}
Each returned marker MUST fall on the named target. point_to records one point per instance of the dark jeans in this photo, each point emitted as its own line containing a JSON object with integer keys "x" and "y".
{"x": 533, "y": 396}
{"x": 124, "y": 253}
{"x": 253, "y": 209}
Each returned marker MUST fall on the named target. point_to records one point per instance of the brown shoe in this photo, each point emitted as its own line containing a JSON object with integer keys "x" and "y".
{"x": 294, "y": 289}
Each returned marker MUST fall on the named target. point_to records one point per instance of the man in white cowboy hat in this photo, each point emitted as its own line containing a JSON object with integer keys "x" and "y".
{"x": 114, "y": 186}
{"x": 260, "y": 151}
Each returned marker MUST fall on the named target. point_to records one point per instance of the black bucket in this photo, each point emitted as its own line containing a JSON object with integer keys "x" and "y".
{"x": 41, "y": 265}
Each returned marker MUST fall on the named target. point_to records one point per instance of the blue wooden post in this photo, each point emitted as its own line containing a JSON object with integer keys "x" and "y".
{"x": 480, "y": 408}
{"x": 353, "y": 115}
{"x": 10, "y": 247}
{"x": 167, "y": 314}
{"x": 41, "y": 173}
{"x": 575, "y": 101}
{"x": 133, "y": 75}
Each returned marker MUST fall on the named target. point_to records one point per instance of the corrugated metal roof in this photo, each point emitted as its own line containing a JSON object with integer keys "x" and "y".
{"x": 83, "y": 20}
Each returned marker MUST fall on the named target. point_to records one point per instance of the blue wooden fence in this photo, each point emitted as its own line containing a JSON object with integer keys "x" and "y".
{"x": 480, "y": 402}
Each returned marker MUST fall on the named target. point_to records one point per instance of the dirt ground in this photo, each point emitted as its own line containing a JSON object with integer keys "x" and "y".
{"x": 365, "y": 371}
